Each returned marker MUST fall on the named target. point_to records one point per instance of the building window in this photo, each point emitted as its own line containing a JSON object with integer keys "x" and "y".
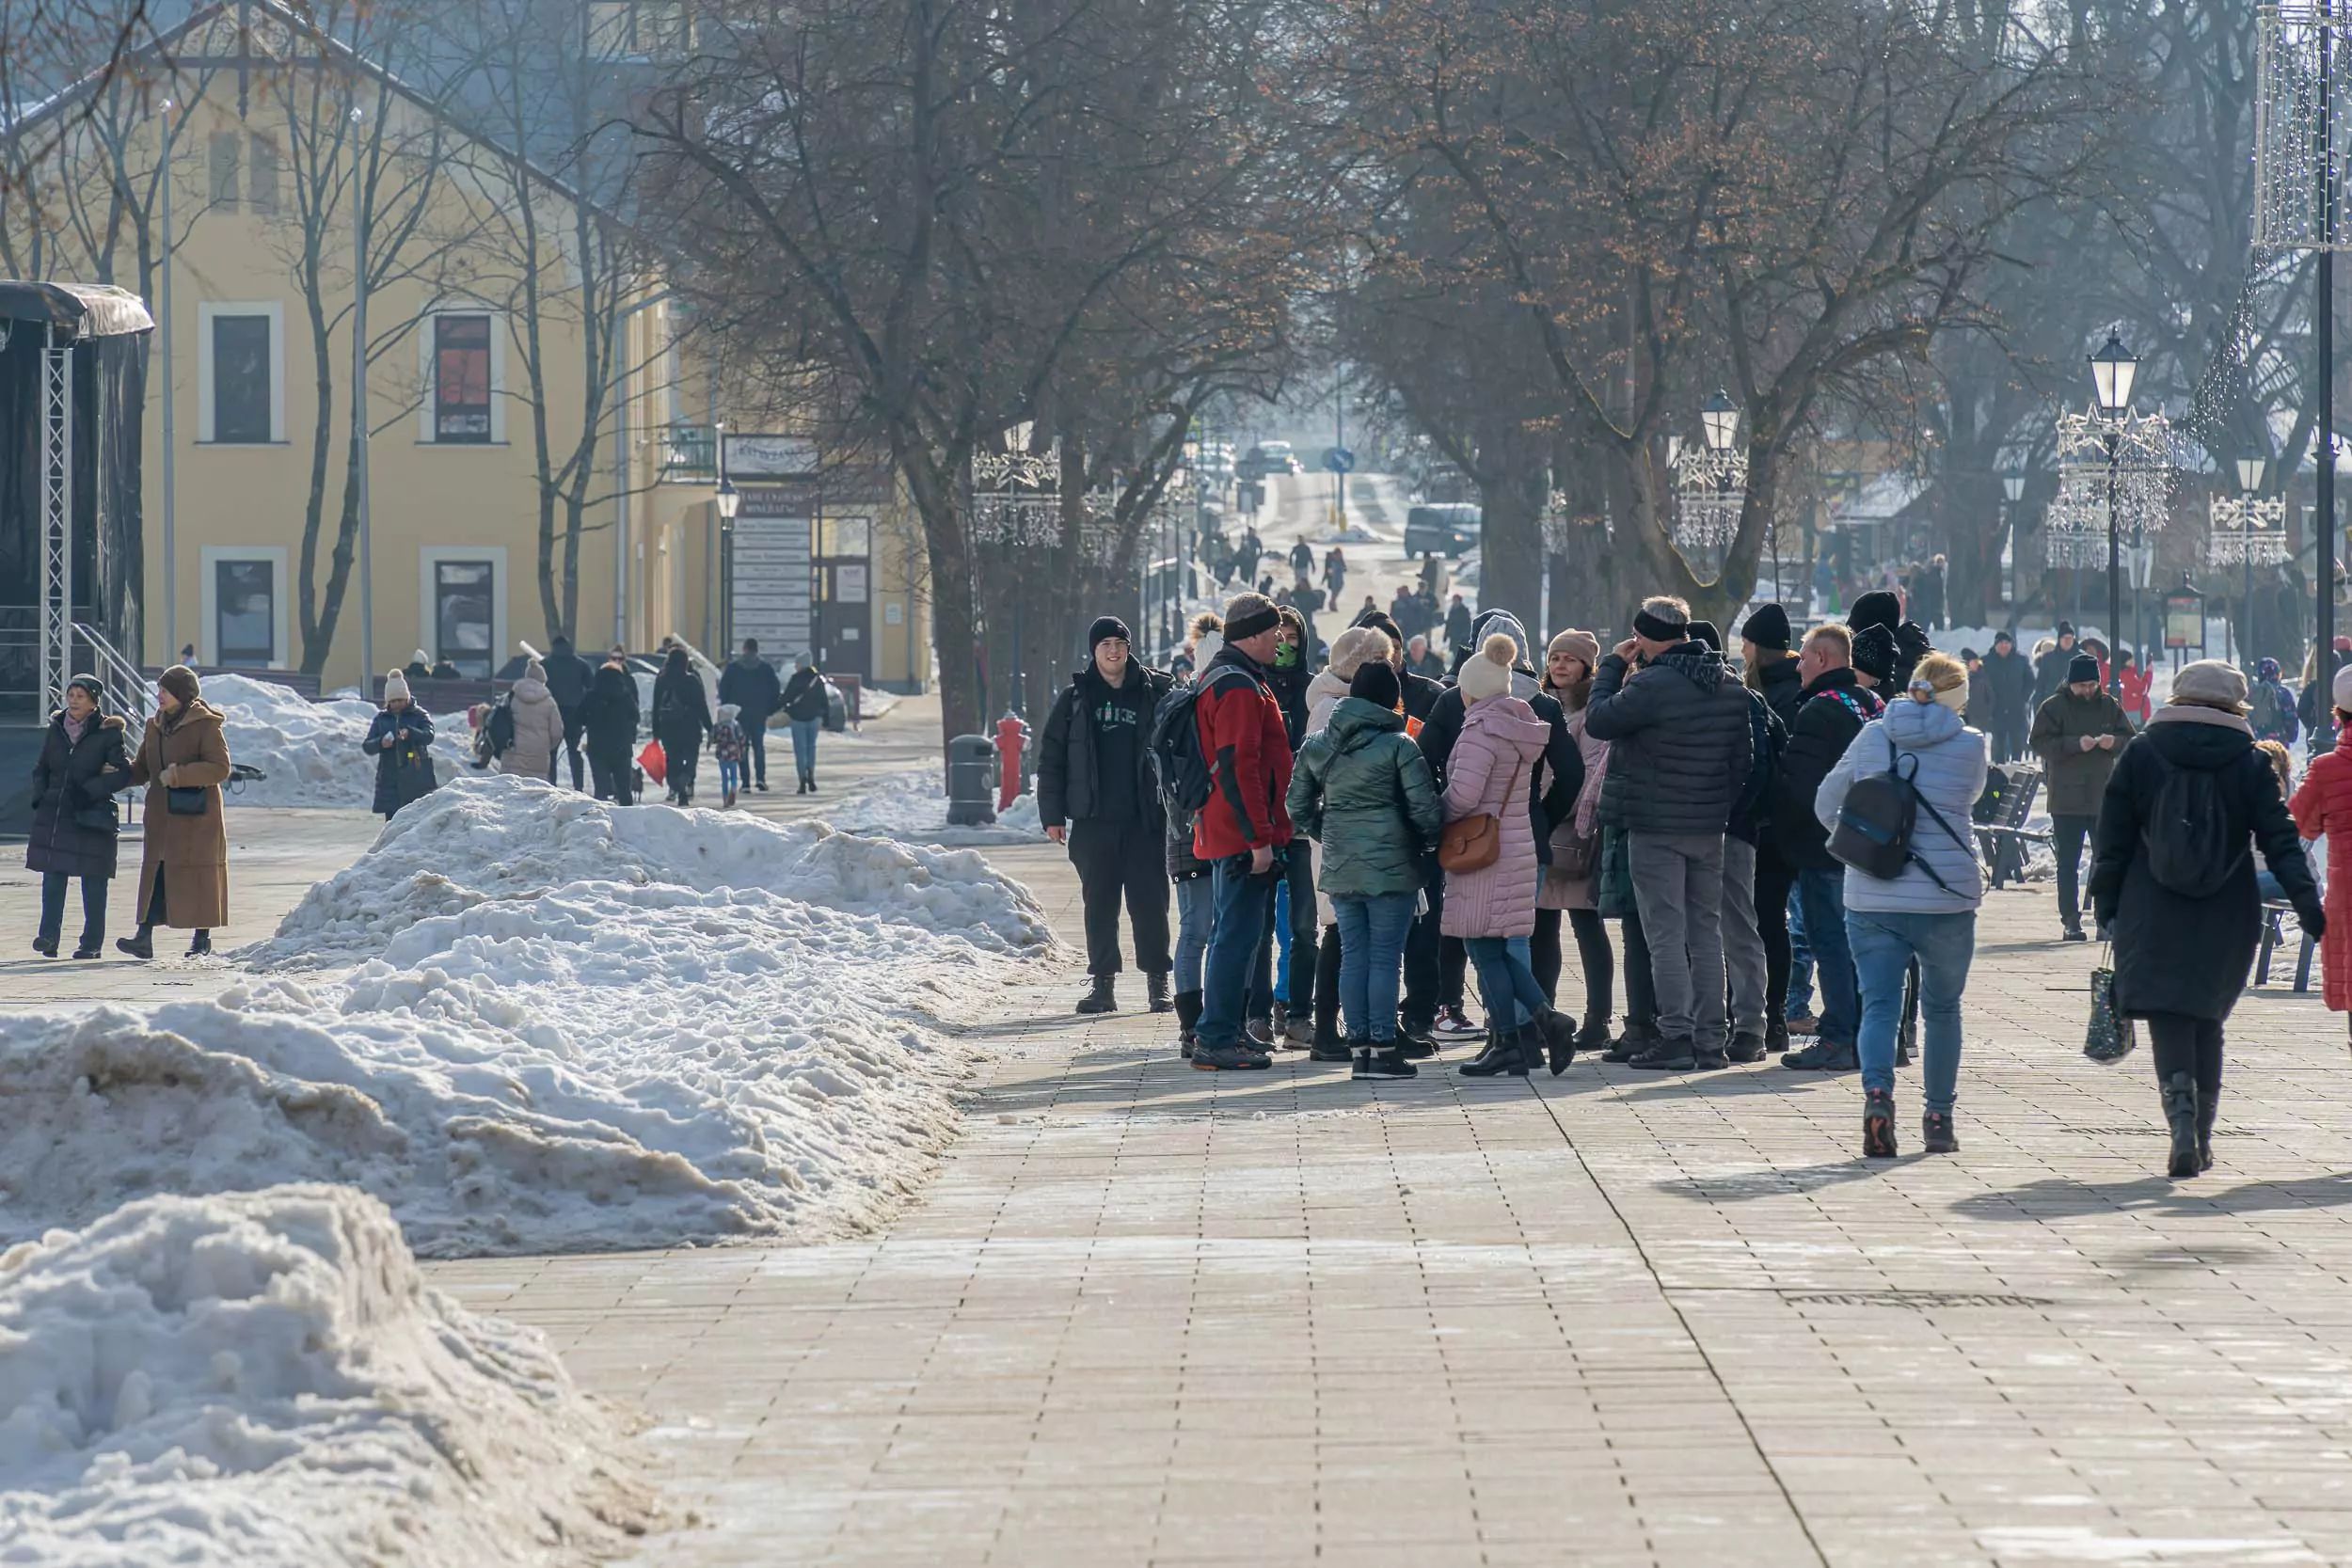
{"x": 638, "y": 29}
{"x": 464, "y": 614}
{"x": 244, "y": 612}
{"x": 261, "y": 191}
{"x": 224, "y": 150}
{"x": 461, "y": 378}
{"x": 242, "y": 373}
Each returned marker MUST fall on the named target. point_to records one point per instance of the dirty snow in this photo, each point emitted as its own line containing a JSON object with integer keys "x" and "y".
{"x": 913, "y": 807}
{"x": 263, "y": 1379}
{"x": 309, "y": 753}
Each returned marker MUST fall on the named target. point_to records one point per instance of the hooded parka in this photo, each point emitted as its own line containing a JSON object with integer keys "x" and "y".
{"x": 70, "y": 776}
{"x": 184, "y": 750}
{"x": 1361, "y": 791}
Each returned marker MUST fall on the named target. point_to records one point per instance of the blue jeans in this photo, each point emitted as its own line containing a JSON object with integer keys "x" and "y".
{"x": 804, "y": 745}
{"x": 1282, "y": 941}
{"x": 1237, "y": 925}
{"x": 1372, "y": 960}
{"x": 1195, "y": 903}
{"x": 730, "y": 775}
{"x": 1824, "y": 896}
{"x": 1800, "y": 960}
{"x": 1505, "y": 980}
{"x": 1883, "y": 945}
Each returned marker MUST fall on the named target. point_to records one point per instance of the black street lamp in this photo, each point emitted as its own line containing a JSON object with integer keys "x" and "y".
{"x": 729, "y": 500}
{"x": 2112, "y": 371}
{"x": 2251, "y": 470}
{"x": 1718, "y": 417}
{"x": 2014, "y": 488}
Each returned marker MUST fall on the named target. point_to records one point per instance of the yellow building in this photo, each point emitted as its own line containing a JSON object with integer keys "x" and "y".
{"x": 535, "y": 454}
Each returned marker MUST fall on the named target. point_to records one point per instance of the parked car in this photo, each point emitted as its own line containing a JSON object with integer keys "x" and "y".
{"x": 1269, "y": 457}
{"x": 1446, "y": 528}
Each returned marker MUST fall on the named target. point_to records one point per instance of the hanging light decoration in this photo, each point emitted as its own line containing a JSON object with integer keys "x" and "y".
{"x": 1016, "y": 493}
{"x": 1710, "y": 481}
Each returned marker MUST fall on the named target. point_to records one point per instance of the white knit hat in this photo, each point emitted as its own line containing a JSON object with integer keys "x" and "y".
{"x": 396, "y": 688}
{"x": 1353, "y": 648}
{"x": 1487, "y": 673}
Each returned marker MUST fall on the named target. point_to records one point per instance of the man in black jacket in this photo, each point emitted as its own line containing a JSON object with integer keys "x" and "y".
{"x": 2049, "y": 671}
{"x": 1837, "y": 706}
{"x": 568, "y": 675}
{"x": 608, "y": 717}
{"x": 1770, "y": 672}
{"x": 1678, "y": 757}
{"x": 749, "y": 683}
{"x": 2007, "y": 681}
{"x": 1094, "y": 774}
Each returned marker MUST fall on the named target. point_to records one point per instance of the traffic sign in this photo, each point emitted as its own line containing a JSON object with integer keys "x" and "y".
{"x": 1339, "y": 459}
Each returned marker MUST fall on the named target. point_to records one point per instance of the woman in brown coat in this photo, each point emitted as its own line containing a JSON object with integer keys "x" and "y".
{"x": 184, "y": 879}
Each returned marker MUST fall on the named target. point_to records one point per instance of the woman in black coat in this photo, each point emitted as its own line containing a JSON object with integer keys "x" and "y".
{"x": 2181, "y": 960}
{"x": 401, "y": 740}
{"x": 83, "y": 760}
{"x": 609, "y": 714}
{"x": 681, "y": 717}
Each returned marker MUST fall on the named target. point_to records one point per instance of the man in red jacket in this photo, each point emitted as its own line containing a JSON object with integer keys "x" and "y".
{"x": 1244, "y": 831}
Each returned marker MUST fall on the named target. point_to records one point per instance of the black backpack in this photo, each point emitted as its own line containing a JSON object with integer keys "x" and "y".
{"x": 1188, "y": 777}
{"x": 1876, "y": 822}
{"x": 2188, "y": 836}
{"x": 501, "y": 728}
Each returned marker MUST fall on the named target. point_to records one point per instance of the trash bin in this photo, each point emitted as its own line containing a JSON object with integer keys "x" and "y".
{"x": 971, "y": 781}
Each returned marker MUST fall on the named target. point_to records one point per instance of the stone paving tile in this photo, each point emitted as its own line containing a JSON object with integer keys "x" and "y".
{"x": 1149, "y": 1316}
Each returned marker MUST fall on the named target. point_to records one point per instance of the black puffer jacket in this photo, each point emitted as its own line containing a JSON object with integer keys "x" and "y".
{"x": 1070, "y": 782}
{"x": 1781, "y": 686}
{"x": 610, "y": 711}
{"x": 70, "y": 776}
{"x": 1835, "y": 707}
{"x": 1679, "y": 745}
{"x": 2179, "y": 955}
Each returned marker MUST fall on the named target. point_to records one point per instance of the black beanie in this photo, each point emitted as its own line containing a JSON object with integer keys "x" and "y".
{"x": 2082, "y": 667}
{"x": 1106, "y": 626}
{"x": 1768, "y": 627}
{"x": 1704, "y": 631}
{"x": 1376, "y": 682}
{"x": 1874, "y": 652}
{"x": 1878, "y": 607}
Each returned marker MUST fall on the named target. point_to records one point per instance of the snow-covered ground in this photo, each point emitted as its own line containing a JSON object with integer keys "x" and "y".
{"x": 572, "y": 1025}
{"x": 913, "y": 807}
{"x": 263, "y": 1379}
{"x": 309, "y": 753}
{"x": 872, "y": 703}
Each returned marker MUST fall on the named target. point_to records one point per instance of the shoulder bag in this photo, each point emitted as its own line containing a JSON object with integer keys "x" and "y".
{"x": 1474, "y": 842}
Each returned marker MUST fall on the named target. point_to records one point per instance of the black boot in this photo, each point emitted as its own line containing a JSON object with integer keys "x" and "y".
{"x": 200, "y": 945}
{"x": 1559, "y": 1037}
{"x": 1514, "y": 1055}
{"x": 45, "y": 946}
{"x": 1330, "y": 1047}
{"x": 2206, "y": 1105}
{"x": 1155, "y": 991}
{"x": 1098, "y": 999}
{"x": 141, "y": 945}
{"x": 2180, "y": 1112}
{"x": 1594, "y": 1036}
{"x": 1380, "y": 1059}
{"x": 1746, "y": 1048}
{"x": 1485, "y": 1061}
{"x": 1637, "y": 1038}
{"x": 1187, "y": 1019}
{"x": 1668, "y": 1056}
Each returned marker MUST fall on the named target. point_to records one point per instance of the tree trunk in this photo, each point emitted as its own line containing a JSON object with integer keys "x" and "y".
{"x": 1512, "y": 493}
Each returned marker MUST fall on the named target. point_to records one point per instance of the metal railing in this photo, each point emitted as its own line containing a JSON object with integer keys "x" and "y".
{"x": 127, "y": 690}
{"x": 689, "y": 453}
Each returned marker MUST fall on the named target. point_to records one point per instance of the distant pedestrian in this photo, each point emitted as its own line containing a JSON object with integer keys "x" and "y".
{"x": 1925, "y": 915}
{"x": 2050, "y": 666}
{"x": 2133, "y": 682}
{"x": 749, "y": 681}
{"x": 84, "y": 762}
{"x": 568, "y": 677}
{"x": 1424, "y": 660}
{"x": 2076, "y": 735}
{"x": 2271, "y": 706}
{"x": 1302, "y": 559}
{"x": 1245, "y": 829}
{"x": 538, "y": 726}
{"x": 681, "y": 720}
{"x": 1097, "y": 793}
{"x": 1334, "y": 573}
{"x": 183, "y": 872}
{"x": 444, "y": 670}
{"x": 609, "y": 716}
{"x": 2007, "y": 682}
{"x": 804, "y": 704}
{"x": 2173, "y": 875}
{"x": 727, "y": 746}
{"x": 401, "y": 739}
{"x": 1458, "y": 629}
{"x": 420, "y": 668}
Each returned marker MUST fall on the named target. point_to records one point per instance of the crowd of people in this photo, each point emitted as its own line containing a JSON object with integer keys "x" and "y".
{"x": 1790, "y": 827}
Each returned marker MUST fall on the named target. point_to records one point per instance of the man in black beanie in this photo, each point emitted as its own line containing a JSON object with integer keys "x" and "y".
{"x": 1095, "y": 773}
{"x": 1772, "y": 672}
{"x": 2076, "y": 735}
{"x": 1874, "y": 657}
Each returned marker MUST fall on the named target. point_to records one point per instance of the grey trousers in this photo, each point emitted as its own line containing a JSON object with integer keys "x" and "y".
{"x": 1743, "y": 939}
{"x": 1679, "y": 887}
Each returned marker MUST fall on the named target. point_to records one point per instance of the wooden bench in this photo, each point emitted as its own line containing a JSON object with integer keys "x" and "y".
{"x": 2273, "y": 932}
{"x": 2000, "y": 814}
{"x": 302, "y": 686}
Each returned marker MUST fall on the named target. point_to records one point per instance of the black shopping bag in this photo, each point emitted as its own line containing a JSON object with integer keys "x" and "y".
{"x": 2111, "y": 1036}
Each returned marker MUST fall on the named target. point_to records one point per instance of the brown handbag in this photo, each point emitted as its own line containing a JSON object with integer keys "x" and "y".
{"x": 1474, "y": 842}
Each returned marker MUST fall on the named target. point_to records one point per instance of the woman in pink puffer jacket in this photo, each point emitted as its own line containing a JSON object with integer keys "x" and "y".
{"x": 1493, "y": 908}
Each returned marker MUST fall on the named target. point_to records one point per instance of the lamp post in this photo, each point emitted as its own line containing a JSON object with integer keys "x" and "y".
{"x": 2013, "y": 489}
{"x": 2112, "y": 370}
{"x": 729, "y": 501}
{"x": 2251, "y": 470}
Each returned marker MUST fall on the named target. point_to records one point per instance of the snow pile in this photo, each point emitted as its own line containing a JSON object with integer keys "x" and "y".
{"x": 913, "y": 806}
{"x": 873, "y": 703}
{"x": 265, "y": 1379}
{"x": 486, "y": 838}
{"x": 309, "y": 753}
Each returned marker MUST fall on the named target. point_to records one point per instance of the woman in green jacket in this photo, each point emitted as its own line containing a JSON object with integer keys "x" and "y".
{"x": 1362, "y": 791}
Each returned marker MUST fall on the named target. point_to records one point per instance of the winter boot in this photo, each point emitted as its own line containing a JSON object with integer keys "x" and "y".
{"x": 727, "y": 800}
{"x": 1487, "y": 1053}
{"x": 1379, "y": 1059}
{"x": 1667, "y": 1055}
{"x": 1155, "y": 991}
{"x": 1594, "y": 1036}
{"x": 2180, "y": 1112}
{"x": 2206, "y": 1105}
{"x": 139, "y": 945}
{"x": 1709, "y": 1056}
{"x": 1559, "y": 1037}
{"x": 1227, "y": 1058}
{"x": 1746, "y": 1048}
{"x": 1330, "y": 1047}
{"x": 1279, "y": 1024}
{"x": 1775, "y": 1036}
{"x": 1937, "y": 1134}
{"x": 1637, "y": 1038}
{"x": 1878, "y": 1125}
{"x": 2071, "y": 930}
{"x": 1516, "y": 1054}
{"x": 200, "y": 945}
{"x": 45, "y": 946}
{"x": 1188, "y": 1020}
{"x": 1098, "y": 999}
{"x": 1822, "y": 1056}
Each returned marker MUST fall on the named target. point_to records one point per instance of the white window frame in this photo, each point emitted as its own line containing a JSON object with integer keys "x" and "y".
{"x": 428, "y": 627}
{"x": 208, "y": 558}
{"x": 428, "y": 331}
{"x": 206, "y": 310}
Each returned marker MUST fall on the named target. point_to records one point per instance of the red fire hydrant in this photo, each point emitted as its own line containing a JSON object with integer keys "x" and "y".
{"x": 1011, "y": 734}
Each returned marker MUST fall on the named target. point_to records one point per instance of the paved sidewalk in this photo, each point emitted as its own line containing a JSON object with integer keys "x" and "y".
{"x": 1151, "y": 1316}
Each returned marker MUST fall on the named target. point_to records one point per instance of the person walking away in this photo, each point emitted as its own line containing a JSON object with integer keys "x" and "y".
{"x": 1335, "y": 574}
{"x": 1362, "y": 790}
{"x": 1245, "y": 829}
{"x": 608, "y": 717}
{"x": 1927, "y": 912}
{"x": 1927, "y": 594}
{"x": 1679, "y": 755}
{"x": 1459, "y": 634}
{"x": 1097, "y": 793}
{"x": 728, "y": 746}
{"x": 681, "y": 720}
{"x": 1195, "y": 895}
{"x": 400, "y": 739}
{"x": 2322, "y": 807}
{"x": 568, "y": 677}
{"x": 1491, "y": 906}
{"x": 1570, "y": 885}
{"x": 1302, "y": 560}
{"x": 1405, "y": 609}
{"x": 2004, "y": 693}
{"x": 85, "y": 759}
{"x": 2050, "y": 666}
{"x": 1771, "y": 671}
{"x": 749, "y": 681}
{"x": 2075, "y": 734}
{"x": 2133, "y": 682}
{"x": 804, "y": 700}
{"x": 2270, "y": 707}
{"x": 1351, "y": 650}
{"x": 183, "y": 872}
{"x": 1836, "y": 707}
{"x": 2171, "y": 874}
{"x": 538, "y": 726}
